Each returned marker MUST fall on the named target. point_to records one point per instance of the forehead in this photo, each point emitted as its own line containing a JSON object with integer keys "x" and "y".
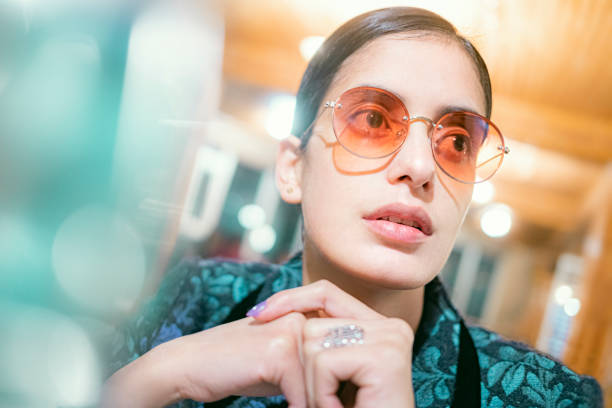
{"x": 429, "y": 73}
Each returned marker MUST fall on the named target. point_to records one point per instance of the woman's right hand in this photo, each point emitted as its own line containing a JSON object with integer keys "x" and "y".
{"x": 244, "y": 357}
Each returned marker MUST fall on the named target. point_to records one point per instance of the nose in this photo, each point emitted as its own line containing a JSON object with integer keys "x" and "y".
{"x": 414, "y": 163}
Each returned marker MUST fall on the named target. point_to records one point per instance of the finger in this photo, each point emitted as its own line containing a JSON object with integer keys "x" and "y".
{"x": 315, "y": 332}
{"x": 379, "y": 364}
{"x": 310, "y": 350}
{"x": 319, "y": 296}
{"x": 386, "y": 330}
{"x": 289, "y": 353}
{"x": 317, "y": 329}
{"x": 293, "y": 387}
{"x": 328, "y": 369}
{"x": 292, "y": 382}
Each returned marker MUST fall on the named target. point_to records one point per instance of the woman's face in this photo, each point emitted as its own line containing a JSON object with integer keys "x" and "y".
{"x": 431, "y": 76}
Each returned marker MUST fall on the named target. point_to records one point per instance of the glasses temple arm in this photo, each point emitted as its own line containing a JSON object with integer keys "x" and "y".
{"x": 488, "y": 160}
{"x": 309, "y": 128}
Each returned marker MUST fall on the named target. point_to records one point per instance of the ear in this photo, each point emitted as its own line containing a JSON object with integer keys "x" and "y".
{"x": 288, "y": 170}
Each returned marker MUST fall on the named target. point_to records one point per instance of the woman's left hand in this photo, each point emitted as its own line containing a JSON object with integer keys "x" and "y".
{"x": 380, "y": 368}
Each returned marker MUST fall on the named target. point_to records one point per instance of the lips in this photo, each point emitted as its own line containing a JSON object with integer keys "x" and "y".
{"x": 398, "y": 218}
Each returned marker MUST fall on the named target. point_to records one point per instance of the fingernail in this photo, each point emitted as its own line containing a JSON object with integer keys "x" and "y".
{"x": 257, "y": 309}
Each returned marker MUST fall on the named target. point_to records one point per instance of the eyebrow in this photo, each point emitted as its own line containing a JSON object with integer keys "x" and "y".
{"x": 440, "y": 113}
{"x": 456, "y": 108}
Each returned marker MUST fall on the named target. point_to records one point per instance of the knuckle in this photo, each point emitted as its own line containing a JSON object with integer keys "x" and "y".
{"x": 324, "y": 286}
{"x": 402, "y": 329}
{"x": 282, "y": 345}
{"x": 311, "y": 348}
{"x": 320, "y": 362}
{"x": 390, "y": 353}
{"x": 294, "y": 321}
{"x": 394, "y": 359}
{"x": 310, "y": 329}
{"x": 278, "y": 298}
{"x": 292, "y": 324}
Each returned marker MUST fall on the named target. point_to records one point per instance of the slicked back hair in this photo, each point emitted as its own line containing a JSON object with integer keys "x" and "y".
{"x": 356, "y": 33}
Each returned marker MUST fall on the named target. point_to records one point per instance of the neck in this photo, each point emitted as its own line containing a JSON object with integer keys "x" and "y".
{"x": 399, "y": 303}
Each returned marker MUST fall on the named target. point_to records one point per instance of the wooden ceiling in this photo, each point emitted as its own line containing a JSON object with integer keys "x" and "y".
{"x": 550, "y": 65}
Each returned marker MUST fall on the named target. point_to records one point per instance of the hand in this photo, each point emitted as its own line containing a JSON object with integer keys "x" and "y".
{"x": 244, "y": 357}
{"x": 381, "y": 368}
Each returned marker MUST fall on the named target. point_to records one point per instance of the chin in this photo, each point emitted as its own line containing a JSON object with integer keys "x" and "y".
{"x": 403, "y": 278}
{"x": 366, "y": 261}
{"x": 390, "y": 269}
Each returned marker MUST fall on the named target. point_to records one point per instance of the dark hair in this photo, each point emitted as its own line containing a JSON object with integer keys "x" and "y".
{"x": 353, "y": 35}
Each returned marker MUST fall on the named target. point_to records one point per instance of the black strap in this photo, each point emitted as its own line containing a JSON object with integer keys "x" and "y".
{"x": 467, "y": 383}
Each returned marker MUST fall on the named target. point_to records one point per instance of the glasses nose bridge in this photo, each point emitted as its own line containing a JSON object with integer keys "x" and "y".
{"x": 427, "y": 121}
{"x": 423, "y": 119}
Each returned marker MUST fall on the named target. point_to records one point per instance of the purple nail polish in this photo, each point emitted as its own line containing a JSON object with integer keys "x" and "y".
{"x": 257, "y": 309}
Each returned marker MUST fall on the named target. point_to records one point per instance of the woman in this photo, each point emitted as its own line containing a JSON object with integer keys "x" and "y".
{"x": 392, "y": 114}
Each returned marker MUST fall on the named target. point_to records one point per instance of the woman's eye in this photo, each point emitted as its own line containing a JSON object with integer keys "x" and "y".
{"x": 371, "y": 119}
{"x": 455, "y": 147}
{"x": 374, "y": 119}
{"x": 460, "y": 143}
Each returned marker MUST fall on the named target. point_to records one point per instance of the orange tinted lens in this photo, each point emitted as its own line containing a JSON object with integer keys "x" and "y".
{"x": 467, "y": 146}
{"x": 369, "y": 122}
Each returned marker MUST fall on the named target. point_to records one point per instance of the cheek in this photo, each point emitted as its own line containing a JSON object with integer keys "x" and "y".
{"x": 317, "y": 182}
{"x": 454, "y": 202}
{"x": 325, "y": 192}
{"x": 328, "y": 197}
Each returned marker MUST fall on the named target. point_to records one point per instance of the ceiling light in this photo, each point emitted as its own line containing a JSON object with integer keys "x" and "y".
{"x": 562, "y": 294}
{"x": 310, "y": 45}
{"x": 483, "y": 192}
{"x": 251, "y": 216}
{"x": 496, "y": 220}
{"x": 571, "y": 307}
{"x": 280, "y": 116}
{"x": 262, "y": 239}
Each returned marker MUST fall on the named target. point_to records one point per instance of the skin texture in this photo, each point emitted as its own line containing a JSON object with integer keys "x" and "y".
{"x": 351, "y": 276}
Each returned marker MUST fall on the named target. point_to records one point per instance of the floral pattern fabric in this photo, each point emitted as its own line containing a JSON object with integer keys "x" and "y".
{"x": 200, "y": 294}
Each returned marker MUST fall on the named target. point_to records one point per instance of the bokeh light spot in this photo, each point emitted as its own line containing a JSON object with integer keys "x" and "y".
{"x": 262, "y": 239}
{"x": 98, "y": 259}
{"x": 571, "y": 307}
{"x": 47, "y": 359}
{"x": 251, "y": 216}
{"x": 563, "y": 293}
{"x": 483, "y": 192}
{"x": 280, "y": 116}
{"x": 496, "y": 220}
{"x": 310, "y": 45}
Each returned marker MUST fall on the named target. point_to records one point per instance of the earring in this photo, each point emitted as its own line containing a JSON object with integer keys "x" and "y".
{"x": 289, "y": 189}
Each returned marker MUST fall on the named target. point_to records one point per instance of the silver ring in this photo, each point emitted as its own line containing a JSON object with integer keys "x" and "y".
{"x": 342, "y": 336}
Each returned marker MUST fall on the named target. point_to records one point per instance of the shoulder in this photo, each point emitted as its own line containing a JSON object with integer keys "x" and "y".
{"x": 221, "y": 276}
{"x": 514, "y": 374}
{"x": 204, "y": 287}
{"x": 228, "y": 280}
{"x": 216, "y": 272}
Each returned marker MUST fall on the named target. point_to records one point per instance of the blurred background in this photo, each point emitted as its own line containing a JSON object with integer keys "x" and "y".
{"x": 135, "y": 133}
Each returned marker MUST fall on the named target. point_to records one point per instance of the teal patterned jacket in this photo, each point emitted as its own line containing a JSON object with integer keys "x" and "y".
{"x": 200, "y": 294}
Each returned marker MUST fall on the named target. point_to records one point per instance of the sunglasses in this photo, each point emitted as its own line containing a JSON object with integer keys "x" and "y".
{"x": 373, "y": 123}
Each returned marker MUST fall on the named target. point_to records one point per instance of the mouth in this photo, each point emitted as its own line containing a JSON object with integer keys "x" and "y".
{"x": 400, "y": 222}
{"x": 407, "y": 222}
